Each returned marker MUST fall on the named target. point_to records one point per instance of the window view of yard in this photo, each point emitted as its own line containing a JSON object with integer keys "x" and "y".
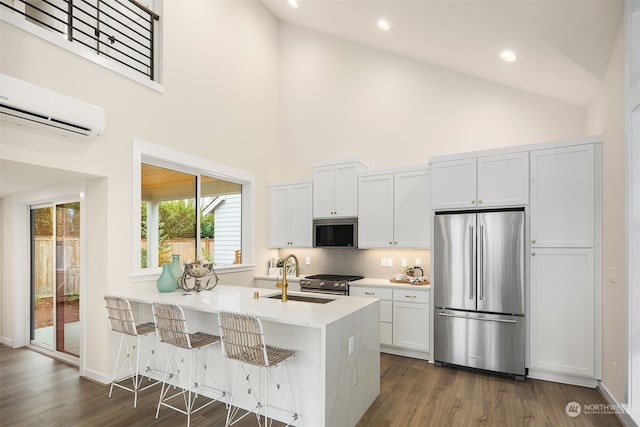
{"x": 56, "y": 275}
{"x": 171, "y": 212}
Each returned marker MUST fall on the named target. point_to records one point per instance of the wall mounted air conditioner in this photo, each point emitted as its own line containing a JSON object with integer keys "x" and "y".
{"x": 26, "y": 104}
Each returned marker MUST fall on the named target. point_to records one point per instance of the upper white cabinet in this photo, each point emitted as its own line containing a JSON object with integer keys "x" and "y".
{"x": 481, "y": 182}
{"x": 394, "y": 210}
{"x": 335, "y": 190}
{"x": 290, "y": 221}
{"x": 563, "y": 197}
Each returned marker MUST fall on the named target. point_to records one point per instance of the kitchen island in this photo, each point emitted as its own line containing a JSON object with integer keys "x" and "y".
{"x": 336, "y": 374}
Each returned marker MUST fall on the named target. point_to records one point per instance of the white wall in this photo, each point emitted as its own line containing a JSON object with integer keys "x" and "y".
{"x": 342, "y": 100}
{"x": 219, "y": 101}
{"x": 605, "y": 115}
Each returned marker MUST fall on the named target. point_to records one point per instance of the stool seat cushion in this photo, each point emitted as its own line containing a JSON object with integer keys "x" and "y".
{"x": 146, "y": 328}
{"x": 200, "y": 339}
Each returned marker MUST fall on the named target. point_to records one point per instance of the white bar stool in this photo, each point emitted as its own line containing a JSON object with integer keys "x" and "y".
{"x": 121, "y": 320}
{"x": 172, "y": 329}
{"x": 243, "y": 340}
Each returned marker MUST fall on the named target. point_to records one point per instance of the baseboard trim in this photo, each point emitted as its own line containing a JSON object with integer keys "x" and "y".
{"x": 621, "y": 412}
{"x": 562, "y": 378}
{"x": 404, "y": 352}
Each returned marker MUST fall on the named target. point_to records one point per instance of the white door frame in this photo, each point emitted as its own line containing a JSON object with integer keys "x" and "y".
{"x": 632, "y": 116}
{"x": 17, "y": 261}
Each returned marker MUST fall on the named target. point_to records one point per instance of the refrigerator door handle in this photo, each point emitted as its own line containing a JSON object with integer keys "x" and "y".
{"x": 472, "y": 251}
{"x": 481, "y": 264}
{"x": 477, "y": 318}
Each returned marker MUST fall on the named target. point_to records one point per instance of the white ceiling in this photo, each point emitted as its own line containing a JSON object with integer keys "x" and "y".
{"x": 563, "y": 46}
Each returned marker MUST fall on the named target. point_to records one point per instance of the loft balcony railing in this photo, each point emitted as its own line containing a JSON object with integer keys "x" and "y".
{"x": 121, "y": 30}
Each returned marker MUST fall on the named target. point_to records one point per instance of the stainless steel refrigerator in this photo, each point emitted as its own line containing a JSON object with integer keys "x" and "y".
{"x": 479, "y": 290}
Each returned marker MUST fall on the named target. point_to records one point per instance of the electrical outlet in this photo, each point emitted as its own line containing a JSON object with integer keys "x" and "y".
{"x": 613, "y": 275}
{"x": 383, "y": 262}
{"x": 404, "y": 262}
{"x": 389, "y": 262}
{"x": 308, "y": 260}
{"x": 352, "y": 343}
{"x": 417, "y": 262}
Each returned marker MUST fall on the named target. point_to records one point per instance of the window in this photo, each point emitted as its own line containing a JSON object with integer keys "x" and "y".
{"x": 189, "y": 207}
{"x": 123, "y": 35}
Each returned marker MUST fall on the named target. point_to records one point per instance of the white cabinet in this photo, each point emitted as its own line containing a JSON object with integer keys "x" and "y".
{"x": 563, "y": 197}
{"x": 563, "y": 307}
{"x": 394, "y": 210}
{"x": 411, "y": 319}
{"x": 290, "y": 221}
{"x": 481, "y": 182}
{"x": 386, "y": 308}
{"x": 404, "y": 316}
{"x": 335, "y": 190}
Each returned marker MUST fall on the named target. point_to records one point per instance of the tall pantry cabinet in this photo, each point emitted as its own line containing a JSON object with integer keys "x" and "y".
{"x": 563, "y": 296}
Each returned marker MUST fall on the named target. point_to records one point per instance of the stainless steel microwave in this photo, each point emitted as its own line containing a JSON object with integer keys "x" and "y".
{"x": 335, "y": 233}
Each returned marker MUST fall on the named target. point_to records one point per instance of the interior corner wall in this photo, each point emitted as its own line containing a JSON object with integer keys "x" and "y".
{"x": 220, "y": 85}
{"x": 341, "y": 100}
{"x": 605, "y": 116}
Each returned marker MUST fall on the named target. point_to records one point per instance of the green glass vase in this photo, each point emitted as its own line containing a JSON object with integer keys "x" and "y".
{"x": 166, "y": 282}
{"x": 176, "y": 268}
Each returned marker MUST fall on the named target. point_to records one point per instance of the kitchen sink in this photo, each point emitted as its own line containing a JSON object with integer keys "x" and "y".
{"x": 303, "y": 298}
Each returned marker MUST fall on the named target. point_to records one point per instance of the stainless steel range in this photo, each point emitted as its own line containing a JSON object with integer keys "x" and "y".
{"x": 335, "y": 284}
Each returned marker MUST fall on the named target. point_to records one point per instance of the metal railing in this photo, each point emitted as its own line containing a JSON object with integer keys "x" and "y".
{"x": 121, "y": 30}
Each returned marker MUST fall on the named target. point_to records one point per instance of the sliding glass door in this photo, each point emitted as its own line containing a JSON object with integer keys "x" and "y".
{"x": 55, "y": 277}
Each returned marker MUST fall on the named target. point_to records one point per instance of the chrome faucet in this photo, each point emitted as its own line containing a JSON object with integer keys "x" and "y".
{"x": 284, "y": 283}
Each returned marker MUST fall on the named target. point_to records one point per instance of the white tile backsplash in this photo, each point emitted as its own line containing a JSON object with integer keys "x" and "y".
{"x": 365, "y": 262}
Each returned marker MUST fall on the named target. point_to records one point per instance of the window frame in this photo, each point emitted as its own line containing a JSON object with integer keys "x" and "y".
{"x": 146, "y": 152}
{"x": 59, "y": 40}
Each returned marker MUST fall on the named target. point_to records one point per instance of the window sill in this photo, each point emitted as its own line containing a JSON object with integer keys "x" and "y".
{"x": 152, "y": 274}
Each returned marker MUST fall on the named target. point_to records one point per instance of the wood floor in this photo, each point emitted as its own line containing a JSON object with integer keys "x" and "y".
{"x": 38, "y": 391}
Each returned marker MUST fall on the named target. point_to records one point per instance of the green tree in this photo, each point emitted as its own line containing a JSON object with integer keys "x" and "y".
{"x": 207, "y": 226}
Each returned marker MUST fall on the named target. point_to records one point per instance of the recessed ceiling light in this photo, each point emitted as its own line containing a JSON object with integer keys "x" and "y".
{"x": 383, "y": 24}
{"x": 508, "y": 56}
{"x": 293, "y": 4}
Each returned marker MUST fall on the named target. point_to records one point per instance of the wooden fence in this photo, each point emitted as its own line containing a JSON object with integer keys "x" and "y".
{"x": 186, "y": 248}
{"x": 67, "y": 262}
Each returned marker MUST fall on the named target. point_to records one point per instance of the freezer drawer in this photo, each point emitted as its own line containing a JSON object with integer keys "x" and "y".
{"x": 484, "y": 341}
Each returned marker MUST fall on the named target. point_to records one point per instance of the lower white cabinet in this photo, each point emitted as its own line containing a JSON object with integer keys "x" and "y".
{"x": 562, "y": 311}
{"x": 404, "y": 315}
{"x": 386, "y": 308}
{"x": 411, "y": 319}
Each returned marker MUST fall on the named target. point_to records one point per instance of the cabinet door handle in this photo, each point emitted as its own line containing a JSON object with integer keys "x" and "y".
{"x": 533, "y": 254}
{"x": 533, "y": 241}
{"x": 369, "y": 293}
{"x": 473, "y": 202}
{"x": 395, "y": 243}
{"x": 410, "y": 296}
{"x": 391, "y": 243}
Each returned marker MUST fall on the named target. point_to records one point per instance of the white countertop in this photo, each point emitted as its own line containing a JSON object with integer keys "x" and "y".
{"x": 367, "y": 281}
{"x": 241, "y": 299}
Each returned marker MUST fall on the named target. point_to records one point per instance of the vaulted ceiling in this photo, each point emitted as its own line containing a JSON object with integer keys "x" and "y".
{"x": 563, "y": 46}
